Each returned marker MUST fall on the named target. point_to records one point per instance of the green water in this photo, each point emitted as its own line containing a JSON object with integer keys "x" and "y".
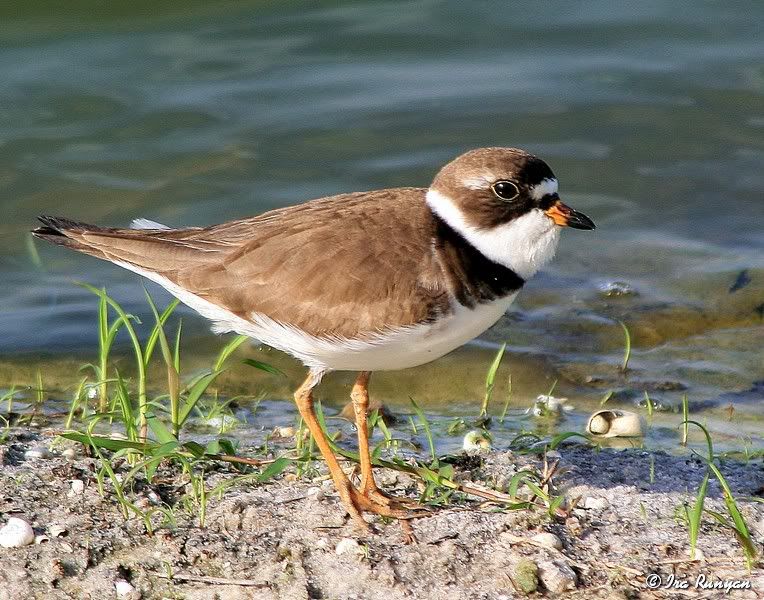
{"x": 651, "y": 115}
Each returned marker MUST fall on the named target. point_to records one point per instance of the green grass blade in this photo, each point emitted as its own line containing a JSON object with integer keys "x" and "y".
{"x": 274, "y": 469}
{"x": 627, "y": 347}
{"x": 108, "y": 443}
{"x": 173, "y": 378}
{"x": 740, "y": 527}
{"x": 176, "y": 354}
{"x": 508, "y": 400}
{"x": 157, "y": 331}
{"x": 490, "y": 378}
{"x": 695, "y": 515}
{"x": 137, "y": 349}
{"x": 194, "y": 395}
{"x": 685, "y": 419}
{"x": 426, "y": 426}
{"x": 263, "y": 366}
{"x": 229, "y": 349}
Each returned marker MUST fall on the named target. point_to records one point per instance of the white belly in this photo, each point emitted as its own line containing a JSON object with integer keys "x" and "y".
{"x": 398, "y": 348}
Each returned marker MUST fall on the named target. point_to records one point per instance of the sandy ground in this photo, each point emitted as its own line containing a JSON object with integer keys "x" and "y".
{"x": 291, "y": 539}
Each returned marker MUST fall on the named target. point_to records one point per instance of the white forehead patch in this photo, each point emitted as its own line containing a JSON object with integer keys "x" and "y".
{"x": 547, "y": 186}
{"x": 479, "y": 182}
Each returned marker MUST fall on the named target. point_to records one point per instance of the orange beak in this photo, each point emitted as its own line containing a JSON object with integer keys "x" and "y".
{"x": 564, "y": 216}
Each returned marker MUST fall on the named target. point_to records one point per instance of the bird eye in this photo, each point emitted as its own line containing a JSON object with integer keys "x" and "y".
{"x": 506, "y": 190}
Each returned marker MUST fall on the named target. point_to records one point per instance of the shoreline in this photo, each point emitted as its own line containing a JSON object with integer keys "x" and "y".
{"x": 289, "y": 538}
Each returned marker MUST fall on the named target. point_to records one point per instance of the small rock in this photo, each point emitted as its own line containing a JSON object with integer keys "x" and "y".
{"x": 592, "y": 503}
{"x": 16, "y": 532}
{"x": 699, "y": 554}
{"x": 556, "y": 576}
{"x": 322, "y": 544}
{"x": 125, "y": 589}
{"x": 526, "y": 575}
{"x": 154, "y": 498}
{"x": 41, "y": 539}
{"x": 573, "y": 525}
{"x": 549, "y": 406}
{"x": 57, "y": 531}
{"x": 69, "y": 454}
{"x": 77, "y": 487}
{"x": 66, "y": 547}
{"x": 614, "y": 289}
{"x": 316, "y": 493}
{"x": 348, "y": 546}
{"x": 284, "y": 432}
{"x": 40, "y": 452}
{"x": 548, "y": 540}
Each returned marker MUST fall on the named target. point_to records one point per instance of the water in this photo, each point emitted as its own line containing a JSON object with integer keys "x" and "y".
{"x": 651, "y": 115}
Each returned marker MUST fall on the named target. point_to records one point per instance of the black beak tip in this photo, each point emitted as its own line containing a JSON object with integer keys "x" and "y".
{"x": 579, "y": 220}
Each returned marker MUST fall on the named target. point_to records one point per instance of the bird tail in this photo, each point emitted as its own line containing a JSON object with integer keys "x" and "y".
{"x": 160, "y": 251}
{"x": 63, "y": 232}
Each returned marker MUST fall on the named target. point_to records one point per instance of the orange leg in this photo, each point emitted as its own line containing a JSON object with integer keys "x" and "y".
{"x": 369, "y": 499}
{"x": 303, "y": 397}
{"x": 360, "y": 397}
{"x": 380, "y": 502}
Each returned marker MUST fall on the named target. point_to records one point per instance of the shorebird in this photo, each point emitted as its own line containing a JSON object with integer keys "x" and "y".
{"x": 365, "y": 281}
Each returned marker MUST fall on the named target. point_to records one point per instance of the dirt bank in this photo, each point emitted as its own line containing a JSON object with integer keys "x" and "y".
{"x": 290, "y": 539}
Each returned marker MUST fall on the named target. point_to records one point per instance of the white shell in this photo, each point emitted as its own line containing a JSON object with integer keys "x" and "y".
{"x": 476, "y": 441}
{"x": 614, "y": 423}
{"x": 16, "y": 532}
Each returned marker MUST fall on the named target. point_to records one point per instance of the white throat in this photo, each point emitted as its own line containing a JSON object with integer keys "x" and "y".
{"x": 524, "y": 245}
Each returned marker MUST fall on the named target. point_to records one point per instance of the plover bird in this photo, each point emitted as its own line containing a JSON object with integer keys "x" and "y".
{"x": 366, "y": 281}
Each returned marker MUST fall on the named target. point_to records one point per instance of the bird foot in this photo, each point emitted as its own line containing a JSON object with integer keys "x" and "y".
{"x": 374, "y": 501}
{"x": 405, "y": 505}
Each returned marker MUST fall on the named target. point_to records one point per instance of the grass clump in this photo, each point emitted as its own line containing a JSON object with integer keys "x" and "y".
{"x": 127, "y": 426}
{"x": 734, "y": 520}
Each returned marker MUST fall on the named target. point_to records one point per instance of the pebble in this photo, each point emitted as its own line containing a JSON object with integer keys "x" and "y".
{"x": 556, "y": 576}
{"x": 125, "y": 589}
{"x": 699, "y": 555}
{"x": 77, "y": 487}
{"x": 592, "y": 503}
{"x": 57, "y": 531}
{"x": 69, "y": 454}
{"x": 612, "y": 289}
{"x": 526, "y": 575}
{"x": 548, "y": 540}
{"x": 316, "y": 493}
{"x": 16, "y": 532}
{"x": 348, "y": 546}
{"x": 37, "y": 453}
{"x": 285, "y": 432}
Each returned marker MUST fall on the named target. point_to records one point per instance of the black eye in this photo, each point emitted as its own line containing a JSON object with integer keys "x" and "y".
{"x": 506, "y": 190}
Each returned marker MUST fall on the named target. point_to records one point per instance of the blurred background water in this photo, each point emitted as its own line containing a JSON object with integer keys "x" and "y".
{"x": 651, "y": 114}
